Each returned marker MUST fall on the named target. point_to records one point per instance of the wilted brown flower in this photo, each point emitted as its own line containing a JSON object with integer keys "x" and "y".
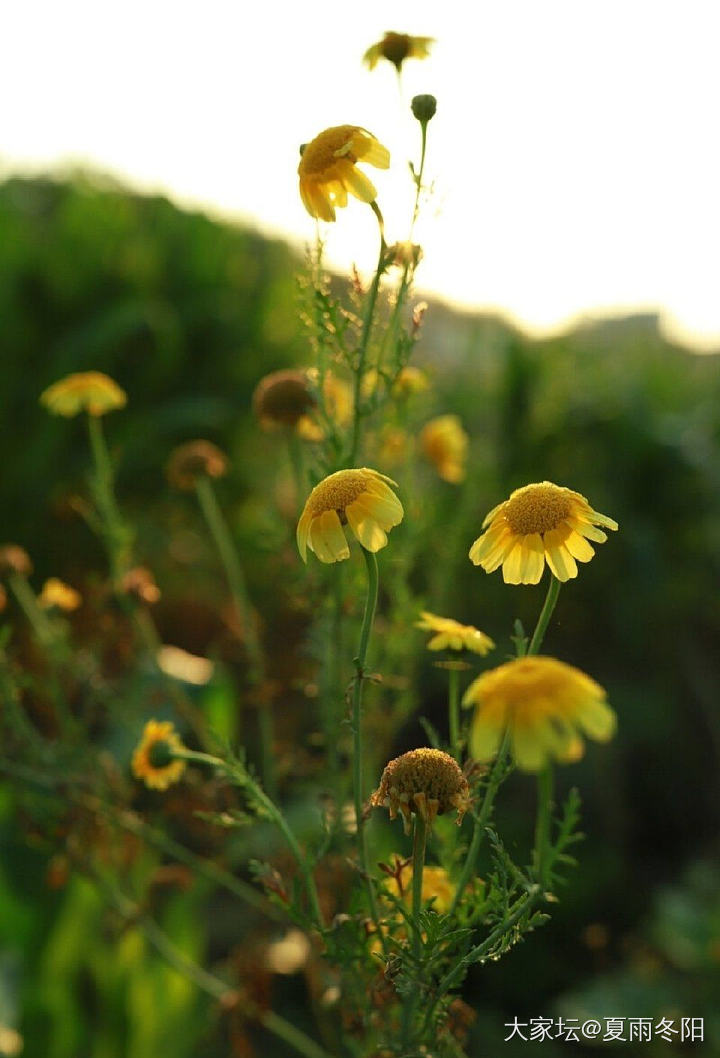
{"x": 282, "y": 398}
{"x": 140, "y": 583}
{"x": 396, "y": 48}
{"x": 425, "y": 781}
{"x": 193, "y": 460}
{"x": 14, "y": 559}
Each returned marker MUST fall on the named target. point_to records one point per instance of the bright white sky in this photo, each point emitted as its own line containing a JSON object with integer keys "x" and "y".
{"x": 575, "y": 150}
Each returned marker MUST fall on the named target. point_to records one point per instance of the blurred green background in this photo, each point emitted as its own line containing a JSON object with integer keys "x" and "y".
{"x": 187, "y": 314}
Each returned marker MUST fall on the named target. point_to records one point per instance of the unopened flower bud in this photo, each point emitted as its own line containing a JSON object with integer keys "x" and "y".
{"x": 424, "y": 107}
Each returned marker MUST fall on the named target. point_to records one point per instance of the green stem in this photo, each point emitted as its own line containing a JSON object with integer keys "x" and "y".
{"x": 273, "y": 812}
{"x": 297, "y": 463}
{"x": 368, "y": 617}
{"x": 238, "y": 590}
{"x": 545, "y": 615}
{"x": 454, "y": 712}
{"x": 419, "y": 844}
{"x": 211, "y": 984}
{"x": 365, "y": 338}
{"x": 481, "y": 822}
{"x": 114, "y": 531}
{"x": 542, "y": 825}
{"x": 31, "y": 608}
{"x": 524, "y": 905}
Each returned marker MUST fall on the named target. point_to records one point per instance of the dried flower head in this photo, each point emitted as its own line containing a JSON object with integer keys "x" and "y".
{"x": 14, "y": 559}
{"x": 539, "y": 523}
{"x": 59, "y": 595}
{"x": 153, "y": 760}
{"x": 328, "y": 171}
{"x": 194, "y": 460}
{"x": 89, "y": 391}
{"x": 546, "y": 706}
{"x": 444, "y": 442}
{"x": 282, "y": 399}
{"x": 425, "y": 781}
{"x": 359, "y": 498}
{"x": 140, "y": 583}
{"x": 396, "y": 48}
{"x": 451, "y": 635}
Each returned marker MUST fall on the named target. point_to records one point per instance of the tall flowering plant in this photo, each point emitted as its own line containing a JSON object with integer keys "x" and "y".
{"x": 390, "y": 920}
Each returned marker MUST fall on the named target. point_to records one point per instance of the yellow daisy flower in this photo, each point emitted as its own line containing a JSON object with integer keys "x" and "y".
{"x": 545, "y": 704}
{"x": 396, "y": 48}
{"x": 338, "y": 401}
{"x": 436, "y": 886}
{"x": 152, "y": 761}
{"x": 425, "y": 781}
{"x": 451, "y": 635}
{"x": 89, "y": 391}
{"x": 359, "y": 498}
{"x": 55, "y": 593}
{"x": 328, "y": 171}
{"x": 539, "y": 523}
{"x": 444, "y": 442}
{"x": 410, "y": 380}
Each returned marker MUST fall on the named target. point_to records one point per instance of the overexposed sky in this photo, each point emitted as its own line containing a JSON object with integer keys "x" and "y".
{"x": 574, "y": 154}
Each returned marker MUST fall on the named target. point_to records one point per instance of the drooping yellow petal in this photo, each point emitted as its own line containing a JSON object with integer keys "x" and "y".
{"x": 365, "y": 527}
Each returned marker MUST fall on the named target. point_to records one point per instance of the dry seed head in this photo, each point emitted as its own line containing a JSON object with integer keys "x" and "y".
{"x": 140, "y": 583}
{"x": 282, "y": 398}
{"x": 14, "y": 559}
{"x": 194, "y": 460}
{"x": 426, "y": 781}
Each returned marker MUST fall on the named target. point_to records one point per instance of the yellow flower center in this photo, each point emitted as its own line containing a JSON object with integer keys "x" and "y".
{"x": 337, "y": 491}
{"x": 537, "y": 508}
{"x": 325, "y": 149}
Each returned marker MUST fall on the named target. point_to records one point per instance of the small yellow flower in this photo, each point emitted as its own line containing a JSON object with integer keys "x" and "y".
{"x": 89, "y": 391}
{"x": 451, "y": 635}
{"x": 337, "y": 400}
{"x": 396, "y": 48}
{"x": 425, "y": 781}
{"x": 545, "y": 705}
{"x": 394, "y": 446}
{"x": 328, "y": 171}
{"x": 436, "y": 886}
{"x": 444, "y": 442}
{"x": 410, "y": 380}
{"x": 55, "y": 593}
{"x": 153, "y": 761}
{"x": 539, "y": 523}
{"x": 359, "y": 498}
{"x": 194, "y": 460}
